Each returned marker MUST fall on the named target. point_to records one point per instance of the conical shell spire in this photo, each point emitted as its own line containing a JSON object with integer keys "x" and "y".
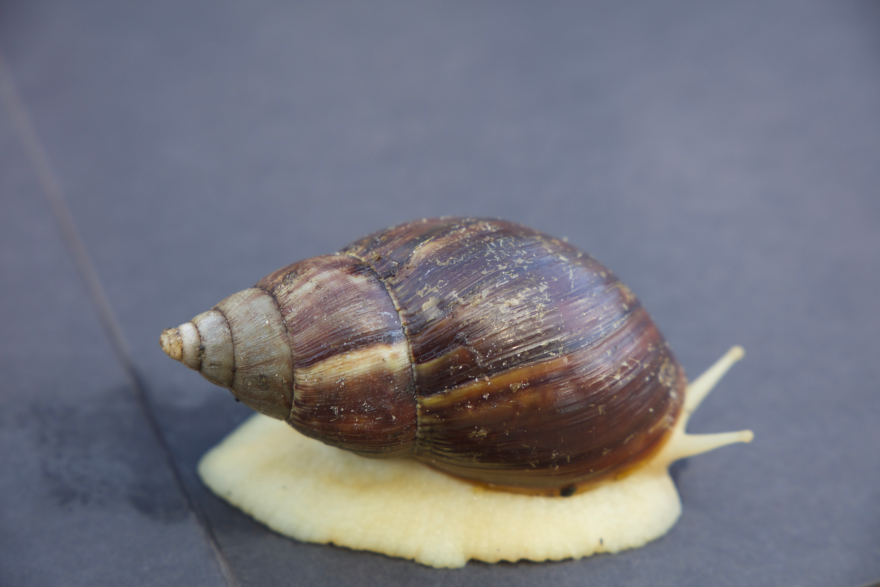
{"x": 242, "y": 345}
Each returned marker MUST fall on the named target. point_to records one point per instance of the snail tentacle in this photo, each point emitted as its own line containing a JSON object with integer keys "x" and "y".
{"x": 682, "y": 445}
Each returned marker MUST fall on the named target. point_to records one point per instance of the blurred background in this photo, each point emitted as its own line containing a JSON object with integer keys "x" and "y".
{"x": 722, "y": 158}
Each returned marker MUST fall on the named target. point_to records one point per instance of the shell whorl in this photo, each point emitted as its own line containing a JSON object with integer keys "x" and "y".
{"x": 534, "y": 365}
{"x": 487, "y": 349}
{"x": 240, "y": 344}
{"x": 352, "y": 370}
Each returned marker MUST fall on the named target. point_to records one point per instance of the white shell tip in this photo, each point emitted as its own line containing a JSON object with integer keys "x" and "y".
{"x": 172, "y": 343}
{"x": 183, "y": 344}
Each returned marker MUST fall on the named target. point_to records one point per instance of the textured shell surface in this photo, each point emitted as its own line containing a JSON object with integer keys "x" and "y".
{"x": 487, "y": 349}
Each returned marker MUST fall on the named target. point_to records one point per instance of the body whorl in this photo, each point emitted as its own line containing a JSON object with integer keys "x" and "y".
{"x": 487, "y": 349}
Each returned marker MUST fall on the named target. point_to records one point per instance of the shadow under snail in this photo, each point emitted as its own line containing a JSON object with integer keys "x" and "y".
{"x": 483, "y": 348}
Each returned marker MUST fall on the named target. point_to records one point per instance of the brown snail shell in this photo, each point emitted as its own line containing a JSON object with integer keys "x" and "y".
{"x": 485, "y": 348}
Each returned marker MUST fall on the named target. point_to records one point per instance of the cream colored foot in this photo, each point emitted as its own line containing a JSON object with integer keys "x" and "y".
{"x": 316, "y": 493}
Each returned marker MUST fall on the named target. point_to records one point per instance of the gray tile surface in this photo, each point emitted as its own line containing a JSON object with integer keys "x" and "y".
{"x": 86, "y": 495}
{"x": 721, "y": 158}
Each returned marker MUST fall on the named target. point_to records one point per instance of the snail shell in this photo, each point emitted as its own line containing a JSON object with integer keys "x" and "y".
{"x": 484, "y": 348}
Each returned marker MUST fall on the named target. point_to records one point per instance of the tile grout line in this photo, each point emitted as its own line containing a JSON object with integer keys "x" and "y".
{"x": 70, "y": 236}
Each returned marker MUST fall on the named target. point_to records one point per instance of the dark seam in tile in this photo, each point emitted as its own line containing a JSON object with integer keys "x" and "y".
{"x": 86, "y": 270}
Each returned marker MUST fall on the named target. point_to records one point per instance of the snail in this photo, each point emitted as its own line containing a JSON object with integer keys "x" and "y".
{"x": 496, "y": 354}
